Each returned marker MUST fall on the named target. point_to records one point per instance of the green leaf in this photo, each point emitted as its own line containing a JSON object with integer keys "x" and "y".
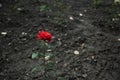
{"x": 37, "y": 68}
{"x": 47, "y": 77}
{"x": 61, "y": 78}
{"x": 51, "y": 65}
{"x": 42, "y": 7}
{"x": 48, "y": 54}
{"x": 48, "y": 46}
{"x": 34, "y": 55}
{"x": 42, "y": 54}
{"x": 119, "y": 14}
{"x": 116, "y": 1}
{"x": 34, "y": 69}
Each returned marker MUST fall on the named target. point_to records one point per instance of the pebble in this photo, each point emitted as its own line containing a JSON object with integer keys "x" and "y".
{"x": 65, "y": 64}
{"x": 116, "y": 1}
{"x": 4, "y": 33}
{"x": 56, "y": 62}
{"x": 9, "y": 19}
{"x": 0, "y": 5}
{"x": 7, "y": 59}
{"x": 118, "y": 39}
{"x": 53, "y": 37}
{"x": 59, "y": 43}
{"x": 49, "y": 50}
{"x": 59, "y": 39}
{"x": 81, "y": 14}
{"x": 76, "y": 52}
{"x": 82, "y": 20}
{"x": 84, "y": 75}
{"x": 76, "y": 69}
{"x": 71, "y": 18}
{"x": 35, "y": 25}
{"x": 82, "y": 45}
{"x": 93, "y": 57}
{"x": 19, "y": 9}
{"x": 9, "y": 44}
{"x": 115, "y": 19}
{"x": 24, "y": 33}
{"x": 47, "y": 57}
{"x": 24, "y": 39}
{"x": 85, "y": 10}
{"x": 88, "y": 58}
{"x": 84, "y": 50}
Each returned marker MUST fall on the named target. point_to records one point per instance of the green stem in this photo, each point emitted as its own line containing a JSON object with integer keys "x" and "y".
{"x": 44, "y": 50}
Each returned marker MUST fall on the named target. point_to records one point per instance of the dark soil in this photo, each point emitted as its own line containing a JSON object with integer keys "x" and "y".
{"x": 95, "y": 35}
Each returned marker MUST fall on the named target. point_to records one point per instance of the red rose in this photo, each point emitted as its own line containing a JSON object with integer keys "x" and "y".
{"x": 44, "y": 35}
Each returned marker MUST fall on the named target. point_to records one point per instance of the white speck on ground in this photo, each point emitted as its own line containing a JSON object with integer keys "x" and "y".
{"x": 49, "y": 50}
{"x": 19, "y": 9}
{"x": 4, "y": 33}
{"x": 81, "y": 14}
{"x": 85, "y": 10}
{"x": 71, "y": 18}
{"x": 47, "y": 57}
{"x": 118, "y": 39}
{"x": 84, "y": 75}
{"x": 76, "y": 52}
{"x": 93, "y": 57}
{"x": 0, "y": 5}
{"x": 24, "y": 33}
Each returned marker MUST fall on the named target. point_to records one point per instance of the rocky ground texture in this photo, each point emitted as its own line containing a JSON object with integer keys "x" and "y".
{"x": 86, "y": 33}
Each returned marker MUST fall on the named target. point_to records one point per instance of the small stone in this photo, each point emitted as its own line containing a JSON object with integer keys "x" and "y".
{"x": 7, "y": 59}
{"x": 84, "y": 75}
{"x": 76, "y": 69}
{"x": 56, "y": 62}
{"x": 24, "y": 39}
{"x": 76, "y": 52}
{"x": 65, "y": 34}
{"x": 82, "y": 45}
{"x": 0, "y": 5}
{"x": 65, "y": 65}
{"x": 95, "y": 60}
{"x": 59, "y": 43}
{"x": 71, "y": 18}
{"x": 9, "y": 19}
{"x": 19, "y": 9}
{"x": 67, "y": 51}
{"x": 88, "y": 58}
{"x": 49, "y": 50}
{"x": 59, "y": 39}
{"x": 47, "y": 57}
{"x": 115, "y": 19}
{"x": 82, "y": 20}
{"x": 4, "y": 33}
{"x": 81, "y": 14}
{"x": 16, "y": 48}
{"x": 24, "y": 33}
{"x": 116, "y": 1}
{"x": 53, "y": 37}
{"x": 35, "y": 25}
{"x": 9, "y": 44}
{"x": 85, "y": 10}
{"x": 93, "y": 57}
{"x": 118, "y": 39}
{"x": 84, "y": 50}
